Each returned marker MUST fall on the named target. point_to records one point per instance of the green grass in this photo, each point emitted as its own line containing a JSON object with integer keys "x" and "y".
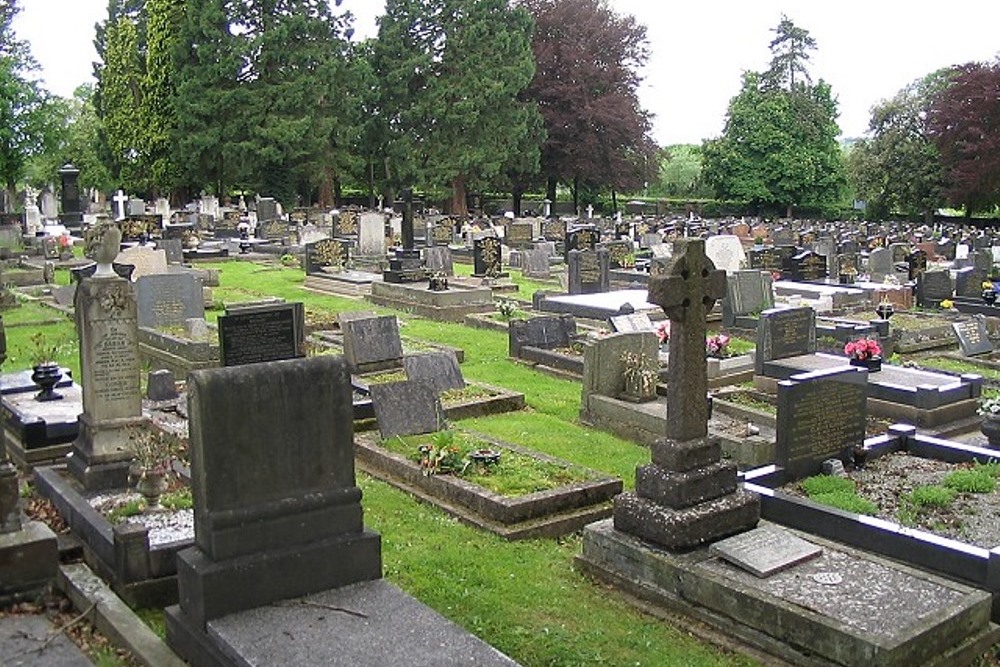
{"x": 930, "y": 495}
{"x": 526, "y": 598}
{"x": 974, "y": 480}
{"x": 839, "y": 492}
{"x": 960, "y": 366}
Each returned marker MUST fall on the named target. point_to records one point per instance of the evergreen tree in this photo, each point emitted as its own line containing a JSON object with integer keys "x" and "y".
{"x": 157, "y": 115}
{"x": 119, "y": 97}
{"x": 779, "y": 146}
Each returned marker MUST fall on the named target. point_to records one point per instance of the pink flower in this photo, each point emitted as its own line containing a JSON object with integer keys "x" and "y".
{"x": 863, "y": 348}
{"x": 663, "y": 331}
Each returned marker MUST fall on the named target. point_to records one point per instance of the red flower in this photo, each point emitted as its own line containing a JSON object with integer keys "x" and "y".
{"x": 863, "y": 348}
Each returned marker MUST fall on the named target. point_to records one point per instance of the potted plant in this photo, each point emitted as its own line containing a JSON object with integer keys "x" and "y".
{"x": 153, "y": 455}
{"x": 989, "y": 408}
{"x": 46, "y": 372}
{"x": 640, "y": 377}
{"x": 866, "y": 353}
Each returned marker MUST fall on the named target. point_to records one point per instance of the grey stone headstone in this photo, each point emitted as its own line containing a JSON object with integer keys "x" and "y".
{"x": 969, "y": 282}
{"x": 821, "y": 415}
{"x": 765, "y": 550}
{"x": 880, "y": 264}
{"x": 161, "y": 385}
{"x": 173, "y": 249}
{"x": 547, "y": 332}
{"x": 535, "y": 264}
{"x": 438, "y": 259}
{"x": 257, "y": 334}
{"x": 785, "y": 332}
{"x": 440, "y": 369}
{"x": 372, "y": 343}
{"x": 603, "y": 368}
{"x": 588, "y": 271}
{"x": 406, "y": 408}
{"x": 267, "y": 209}
{"x": 726, "y": 252}
{"x": 168, "y": 299}
{"x": 973, "y": 338}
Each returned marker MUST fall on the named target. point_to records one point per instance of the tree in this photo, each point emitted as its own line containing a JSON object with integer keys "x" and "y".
{"x": 779, "y": 146}
{"x": 449, "y": 73}
{"x": 680, "y": 172}
{"x": 26, "y": 109}
{"x": 586, "y": 85}
{"x": 898, "y": 168}
{"x": 964, "y": 122}
{"x": 118, "y": 97}
{"x": 157, "y": 114}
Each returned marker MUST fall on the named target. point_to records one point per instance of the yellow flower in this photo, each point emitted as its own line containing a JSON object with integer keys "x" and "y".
{"x": 947, "y": 303}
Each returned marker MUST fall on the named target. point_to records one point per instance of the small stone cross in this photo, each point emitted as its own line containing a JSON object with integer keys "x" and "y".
{"x": 120, "y": 200}
{"x": 686, "y": 292}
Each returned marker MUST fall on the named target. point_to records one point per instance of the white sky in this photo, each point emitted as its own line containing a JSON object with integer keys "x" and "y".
{"x": 866, "y": 50}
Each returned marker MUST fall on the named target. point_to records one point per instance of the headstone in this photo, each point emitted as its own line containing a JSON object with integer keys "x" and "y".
{"x": 257, "y": 334}
{"x": 847, "y": 264}
{"x": 633, "y": 323}
{"x": 805, "y": 266}
{"x": 726, "y": 252}
{"x": 973, "y": 338}
{"x": 439, "y": 369}
{"x": 933, "y": 287}
{"x": 879, "y": 264}
{"x": 969, "y": 282}
{"x": 765, "y": 550}
{"x": 167, "y": 299}
{"x": 588, "y": 271}
{"x": 108, "y": 329}
{"x": 604, "y": 367}
{"x": 372, "y": 343}
{"x": 687, "y": 496}
{"x": 916, "y": 264}
{"x": 546, "y": 332}
{"x": 806, "y": 435}
{"x": 486, "y": 257}
{"x": 438, "y": 259}
{"x": 146, "y": 260}
{"x": 748, "y": 292}
{"x": 783, "y": 333}
{"x": 554, "y": 229}
{"x": 173, "y": 250}
{"x": 161, "y": 385}
{"x": 371, "y": 235}
{"x": 406, "y": 408}
{"x": 519, "y": 235}
{"x": 347, "y": 224}
{"x": 327, "y": 256}
{"x": 267, "y": 209}
{"x": 535, "y": 264}
{"x": 582, "y": 238}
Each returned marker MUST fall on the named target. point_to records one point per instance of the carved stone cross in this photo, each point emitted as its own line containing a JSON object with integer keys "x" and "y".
{"x": 687, "y": 291}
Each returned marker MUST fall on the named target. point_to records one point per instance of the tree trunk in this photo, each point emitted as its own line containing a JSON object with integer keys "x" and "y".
{"x": 576, "y": 195}
{"x": 326, "y": 188}
{"x": 458, "y": 205}
{"x": 614, "y": 202}
{"x": 788, "y": 212}
{"x": 10, "y": 193}
{"x": 550, "y": 193}
{"x": 338, "y": 195}
{"x": 515, "y": 194}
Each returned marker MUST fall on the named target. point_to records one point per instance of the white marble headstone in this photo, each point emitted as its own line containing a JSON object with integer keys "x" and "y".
{"x": 726, "y": 252}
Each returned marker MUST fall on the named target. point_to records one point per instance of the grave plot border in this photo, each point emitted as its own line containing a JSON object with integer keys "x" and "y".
{"x": 499, "y": 401}
{"x": 141, "y": 574}
{"x": 447, "y": 306}
{"x": 947, "y": 557}
{"x": 178, "y": 355}
{"x": 542, "y": 514}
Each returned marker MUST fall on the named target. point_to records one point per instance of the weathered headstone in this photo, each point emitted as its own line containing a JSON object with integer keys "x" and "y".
{"x": 748, "y": 293}
{"x": 257, "y": 334}
{"x": 406, "y": 408}
{"x": 167, "y": 299}
{"x": 588, "y": 271}
{"x": 546, "y": 332}
{"x": 146, "y": 260}
{"x": 519, "y": 235}
{"x": 535, "y": 264}
{"x": 161, "y": 385}
{"x": 880, "y": 264}
{"x": 633, "y": 323}
{"x": 438, "y": 259}
{"x": 371, "y": 235}
{"x": 726, "y": 252}
{"x": 440, "y": 369}
{"x": 372, "y": 343}
{"x": 806, "y": 432}
{"x": 765, "y": 550}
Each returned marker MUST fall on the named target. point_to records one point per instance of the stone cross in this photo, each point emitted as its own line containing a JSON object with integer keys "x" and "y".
{"x": 590, "y": 211}
{"x": 687, "y": 291}
{"x": 120, "y": 200}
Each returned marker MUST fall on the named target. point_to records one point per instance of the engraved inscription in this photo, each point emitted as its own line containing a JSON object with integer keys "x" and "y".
{"x": 115, "y": 370}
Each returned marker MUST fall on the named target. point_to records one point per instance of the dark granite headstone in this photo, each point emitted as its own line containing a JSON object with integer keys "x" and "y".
{"x": 969, "y": 282}
{"x": 173, "y": 249}
{"x": 256, "y": 334}
{"x": 161, "y": 385}
{"x": 821, "y": 415}
{"x": 933, "y": 287}
{"x": 582, "y": 238}
{"x": 916, "y": 264}
{"x": 805, "y": 266}
{"x": 168, "y": 299}
{"x": 440, "y": 369}
{"x": 406, "y": 408}
{"x": 547, "y": 332}
{"x": 588, "y": 271}
{"x": 327, "y": 256}
{"x": 973, "y": 338}
{"x": 486, "y": 257}
{"x": 785, "y": 332}
{"x": 372, "y": 343}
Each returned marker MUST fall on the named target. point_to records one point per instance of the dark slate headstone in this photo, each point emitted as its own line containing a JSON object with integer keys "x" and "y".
{"x": 805, "y": 266}
{"x": 821, "y": 415}
{"x": 168, "y": 299}
{"x": 327, "y": 256}
{"x": 440, "y": 369}
{"x": 256, "y": 334}
{"x": 487, "y": 257}
{"x": 582, "y": 238}
{"x": 785, "y": 332}
{"x": 969, "y": 282}
{"x": 161, "y": 385}
{"x": 406, "y": 408}
{"x": 173, "y": 249}
{"x": 973, "y": 338}
{"x": 766, "y": 259}
{"x": 588, "y": 271}
{"x": 916, "y": 264}
{"x": 372, "y": 343}
{"x": 547, "y": 333}
{"x": 933, "y": 287}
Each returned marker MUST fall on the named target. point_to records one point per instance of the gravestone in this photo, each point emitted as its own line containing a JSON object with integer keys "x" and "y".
{"x": 604, "y": 368}
{"x": 633, "y": 323}
{"x": 783, "y": 333}
{"x": 848, "y": 265}
{"x": 546, "y": 332}
{"x": 969, "y": 282}
{"x": 588, "y": 271}
{"x": 161, "y": 385}
{"x": 108, "y": 328}
{"x": 535, "y": 264}
{"x": 879, "y": 264}
{"x": 581, "y": 238}
{"x": 267, "y": 209}
{"x": 347, "y": 224}
{"x": 821, "y": 415}
{"x": 441, "y": 232}
{"x": 933, "y": 287}
{"x": 261, "y": 333}
{"x": 519, "y": 235}
{"x": 439, "y": 369}
{"x": 554, "y": 229}
{"x": 406, "y": 408}
{"x": 973, "y": 338}
{"x": 805, "y": 266}
{"x": 371, "y": 235}
{"x": 437, "y": 259}
{"x": 487, "y": 257}
{"x": 146, "y": 260}
{"x": 687, "y": 496}
{"x": 168, "y": 299}
{"x": 269, "y": 527}
{"x": 748, "y": 293}
{"x": 173, "y": 250}
{"x": 916, "y": 264}
{"x": 726, "y": 252}
{"x": 327, "y": 256}
{"x": 765, "y": 550}
{"x": 372, "y": 343}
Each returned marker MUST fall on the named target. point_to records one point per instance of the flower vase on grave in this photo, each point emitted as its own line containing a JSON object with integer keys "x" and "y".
{"x": 151, "y": 485}
{"x": 873, "y": 364}
{"x": 989, "y": 297}
{"x": 884, "y": 310}
{"x": 47, "y": 375}
{"x": 991, "y": 429}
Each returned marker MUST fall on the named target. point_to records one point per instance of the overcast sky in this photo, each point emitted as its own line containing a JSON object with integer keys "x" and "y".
{"x": 866, "y": 50}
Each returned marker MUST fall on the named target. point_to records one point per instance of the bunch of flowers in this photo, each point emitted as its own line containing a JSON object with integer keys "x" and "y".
{"x": 717, "y": 346}
{"x": 663, "y": 331}
{"x": 947, "y": 304}
{"x": 990, "y": 406}
{"x": 639, "y": 370}
{"x": 863, "y": 348}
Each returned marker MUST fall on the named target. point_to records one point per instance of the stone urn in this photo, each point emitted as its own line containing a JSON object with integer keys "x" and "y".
{"x": 151, "y": 485}
{"x": 47, "y": 375}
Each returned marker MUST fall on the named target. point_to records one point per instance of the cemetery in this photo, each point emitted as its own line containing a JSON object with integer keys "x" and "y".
{"x": 575, "y": 418}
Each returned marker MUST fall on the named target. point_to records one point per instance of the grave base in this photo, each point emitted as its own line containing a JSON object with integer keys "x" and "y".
{"x": 371, "y": 623}
{"x": 29, "y": 560}
{"x": 799, "y": 618}
{"x": 448, "y": 306}
{"x": 346, "y": 283}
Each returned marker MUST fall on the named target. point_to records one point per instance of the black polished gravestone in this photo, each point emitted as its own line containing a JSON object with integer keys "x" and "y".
{"x": 933, "y": 287}
{"x": 821, "y": 415}
{"x": 487, "y": 258}
{"x": 440, "y": 369}
{"x": 588, "y": 271}
{"x": 546, "y": 332}
{"x": 581, "y": 238}
{"x": 783, "y": 333}
{"x": 257, "y": 334}
{"x": 403, "y": 408}
{"x": 916, "y": 264}
{"x": 327, "y": 256}
{"x": 973, "y": 338}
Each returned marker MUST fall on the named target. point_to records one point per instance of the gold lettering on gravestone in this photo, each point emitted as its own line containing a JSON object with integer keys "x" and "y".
{"x": 813, "y": 433}
{"x": 590, "y": 268}
{"x": 115, "y": 371}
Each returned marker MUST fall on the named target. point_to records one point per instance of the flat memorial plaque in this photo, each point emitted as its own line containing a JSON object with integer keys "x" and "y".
{"x": 631, "y": 323}
{"x": 765, "y": 551}
{"x": 973, "y": 338}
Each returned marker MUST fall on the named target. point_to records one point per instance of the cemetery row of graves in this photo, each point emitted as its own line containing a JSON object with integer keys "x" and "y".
{"x": 538, "y": 412}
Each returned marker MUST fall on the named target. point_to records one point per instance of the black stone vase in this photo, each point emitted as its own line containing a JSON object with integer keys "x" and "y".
{"x": 991, "y": 429}
{"x": 989, "y": 297}
{"x": 47, "y": 375}
{"x": 884, "y": 310}
{"x": 873, "y": 364}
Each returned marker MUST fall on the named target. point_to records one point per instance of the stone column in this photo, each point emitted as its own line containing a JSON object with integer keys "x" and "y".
{"x": 108, "y": 329}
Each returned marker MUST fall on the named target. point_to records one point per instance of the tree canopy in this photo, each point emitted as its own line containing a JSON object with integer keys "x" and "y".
{"x": 779, "y": 147}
